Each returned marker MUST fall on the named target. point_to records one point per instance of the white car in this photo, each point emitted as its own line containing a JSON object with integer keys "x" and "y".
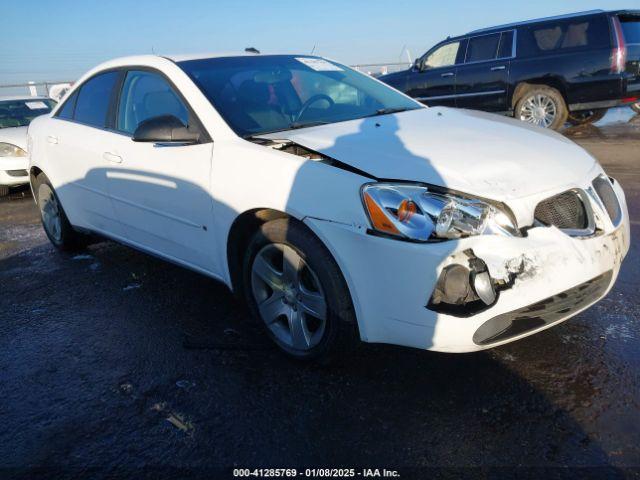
{"x": 15, "y": 115}
{"x": 330, "y": 201}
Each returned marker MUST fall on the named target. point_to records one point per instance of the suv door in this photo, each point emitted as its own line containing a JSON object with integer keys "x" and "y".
{"x": 433, "y": 79}
{"x": 482, "y": 80}
{"x": 160, "y": 192}
{"x": 76, "y": 140}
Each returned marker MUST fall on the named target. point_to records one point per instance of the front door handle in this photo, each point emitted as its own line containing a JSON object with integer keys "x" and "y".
{"x": 52, "y": 139}
{"x": 499, "y": 67}
{"x": 448, "y": 74}
{"x": 112, "y": 157}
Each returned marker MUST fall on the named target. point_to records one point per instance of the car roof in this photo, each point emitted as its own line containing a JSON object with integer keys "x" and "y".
{"x": 183, "y": 57}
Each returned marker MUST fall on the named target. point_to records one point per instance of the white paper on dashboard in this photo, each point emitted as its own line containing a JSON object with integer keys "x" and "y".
{"x": 319, "y": 65}
{"x": 36, "y": 105}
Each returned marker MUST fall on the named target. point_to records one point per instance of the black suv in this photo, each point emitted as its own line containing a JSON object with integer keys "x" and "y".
{"x": 545, "y": 72}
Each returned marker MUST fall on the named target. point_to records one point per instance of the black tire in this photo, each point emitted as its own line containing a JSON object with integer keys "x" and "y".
{"x": 560, "y": 111}
{"x": 635, "y": 107}
{"x": 340, "y": 328}
{"x": 66, "y": 238}
{"x": 4, "y": 190}
{"x": 585, "y": 117}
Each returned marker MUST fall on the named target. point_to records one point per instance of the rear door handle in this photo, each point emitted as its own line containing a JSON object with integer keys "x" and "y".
{"x": 112, "y": 157}
{"x": 499, "y": 67}
{"x": 448, "y": 74}
{"x": 52, "y": 139}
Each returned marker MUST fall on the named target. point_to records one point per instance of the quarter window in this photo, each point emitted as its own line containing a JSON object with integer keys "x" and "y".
{"x": 67, "y": 109}
{"x": 444, "y": 56}
{"x": 146, "y": 95}
{"x": 565, "y": 35}
{"x": 483, "y": 48}
{"x": 93, "y": 100}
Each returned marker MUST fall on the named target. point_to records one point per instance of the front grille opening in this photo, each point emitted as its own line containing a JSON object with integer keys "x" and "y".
{"x": 17, "y": 173}
{"x": 565, "y": 211}
{"x": 604, "y": 189}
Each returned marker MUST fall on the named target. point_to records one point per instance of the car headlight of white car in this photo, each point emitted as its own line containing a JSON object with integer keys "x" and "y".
{"x": 419, "y": 213}
{"x": 10, "y": 150}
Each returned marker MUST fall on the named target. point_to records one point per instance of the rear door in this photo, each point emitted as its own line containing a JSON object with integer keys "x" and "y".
{"x": 434, "y": 80}
{"x": 482, "y": 80}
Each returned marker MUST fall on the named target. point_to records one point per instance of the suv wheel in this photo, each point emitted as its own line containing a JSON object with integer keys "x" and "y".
{"x": 54, "y": 221}
{"x": 294, "y": 286}
{"x": 586, "y": 116}
{"x": 542, "y": 106}
{"x": 636, "y": 107}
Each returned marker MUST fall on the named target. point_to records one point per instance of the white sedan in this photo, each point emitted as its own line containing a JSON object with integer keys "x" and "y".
{"x": 15, "y": 115}
{"x": 331, "y": 202}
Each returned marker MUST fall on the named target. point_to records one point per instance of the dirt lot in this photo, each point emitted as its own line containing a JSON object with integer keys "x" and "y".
{"x": 115, "y": 363}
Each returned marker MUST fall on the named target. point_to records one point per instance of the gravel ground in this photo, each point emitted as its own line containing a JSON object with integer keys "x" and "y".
{"x": 116, "y": 363}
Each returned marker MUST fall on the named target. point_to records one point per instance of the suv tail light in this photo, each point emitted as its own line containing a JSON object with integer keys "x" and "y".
{"x": 619, "y": 52}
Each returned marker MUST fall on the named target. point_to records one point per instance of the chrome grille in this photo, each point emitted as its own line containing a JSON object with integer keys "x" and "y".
{"x": 565, "y": 211}
{"x": 604, "y": 189}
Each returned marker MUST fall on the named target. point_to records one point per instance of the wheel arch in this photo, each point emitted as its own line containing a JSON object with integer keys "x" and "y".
{"x": 525, "y": 86}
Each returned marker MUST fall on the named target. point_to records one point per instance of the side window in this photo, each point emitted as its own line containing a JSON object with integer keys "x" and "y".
{"x": 445, "y": 56}
{"x": 566, "y": 35}
{"x": 93, "y": 100}
{"x": 69, "y": 106}
{"x": 146, "y": 95}
{"x": 506, "y": 45}
{"x": 483, "y": 48}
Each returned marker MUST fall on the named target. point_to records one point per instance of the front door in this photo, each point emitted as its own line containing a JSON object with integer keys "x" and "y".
{"x": 433, "y": 80}
{"x": 160, "y": 192}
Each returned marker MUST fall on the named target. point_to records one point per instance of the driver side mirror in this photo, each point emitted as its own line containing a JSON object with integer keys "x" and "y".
{"x": 164, "y": 129}
{"x": 417, "y": 64}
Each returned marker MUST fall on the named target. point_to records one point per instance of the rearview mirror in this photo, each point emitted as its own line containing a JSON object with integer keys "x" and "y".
{"x": 164, "y": 129}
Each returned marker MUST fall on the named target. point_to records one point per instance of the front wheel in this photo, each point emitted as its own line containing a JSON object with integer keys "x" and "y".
{"x": 542, "y": 106}
{"x": 635, "y": 107}
{"x": 294, "y": 287}
{"x": 585, "y": 117}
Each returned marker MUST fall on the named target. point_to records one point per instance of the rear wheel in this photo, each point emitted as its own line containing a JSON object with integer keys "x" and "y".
{"x": 54, "y": 221}
{"x": 542, "y": 106}
{"x": 635, "y": 107}
{"x": 586, "y": 116}
{"x": 294, "y": 286}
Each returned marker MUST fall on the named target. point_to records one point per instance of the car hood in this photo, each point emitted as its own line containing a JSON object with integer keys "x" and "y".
{"x": 14, "y": 135}
{"x": 474, "y": 152}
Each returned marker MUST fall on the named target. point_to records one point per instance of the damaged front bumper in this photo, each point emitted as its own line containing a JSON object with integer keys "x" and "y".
{"x": 541, "y": 279}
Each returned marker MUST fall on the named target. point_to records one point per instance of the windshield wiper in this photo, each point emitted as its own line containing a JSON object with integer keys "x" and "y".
{"x": 388, "y": 111}
{"x": 291, "y": 126}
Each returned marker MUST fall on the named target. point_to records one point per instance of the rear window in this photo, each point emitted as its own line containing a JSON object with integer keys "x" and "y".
{"x": 566, "y": 35}
{"x": 631, "y": 29}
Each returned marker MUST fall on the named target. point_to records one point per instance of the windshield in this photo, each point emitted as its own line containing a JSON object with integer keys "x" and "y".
{"x": 262, "y": 94}
{"x": 19, "y": 113}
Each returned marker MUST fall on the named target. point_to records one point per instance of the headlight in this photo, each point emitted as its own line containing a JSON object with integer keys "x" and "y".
{"x": 9, "y": 150}
{"x": 414, "y": 212}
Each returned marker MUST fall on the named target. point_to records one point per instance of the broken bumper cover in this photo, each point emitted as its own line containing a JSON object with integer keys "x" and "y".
{"x": 552, "y": 276}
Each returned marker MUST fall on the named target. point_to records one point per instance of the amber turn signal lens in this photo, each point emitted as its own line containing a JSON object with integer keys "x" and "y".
{"x": 378, "y": 217}
{"x": 406, "y": 210}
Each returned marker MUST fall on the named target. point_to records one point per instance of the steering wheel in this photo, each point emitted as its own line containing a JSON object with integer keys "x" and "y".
{"x": 311, "y": 101}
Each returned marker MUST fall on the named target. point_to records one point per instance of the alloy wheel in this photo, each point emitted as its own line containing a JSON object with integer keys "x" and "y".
{"x": 539, "y": 110}
{"x": 289, "y": 297}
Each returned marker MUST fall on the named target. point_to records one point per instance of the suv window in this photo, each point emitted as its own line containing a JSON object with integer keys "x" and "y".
{"x": 565, "y": 35}
{"x": 146, "y": 95}
{"x": 444, "y": 56}
{"x": 506, "y": 45}
{"x": 93, "y": 100}
{"x": 484, "y": 47}
{"x": 631, "y": 29}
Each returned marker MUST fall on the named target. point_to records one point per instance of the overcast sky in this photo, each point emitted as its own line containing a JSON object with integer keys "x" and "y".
{"x": 61, "y": 39}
